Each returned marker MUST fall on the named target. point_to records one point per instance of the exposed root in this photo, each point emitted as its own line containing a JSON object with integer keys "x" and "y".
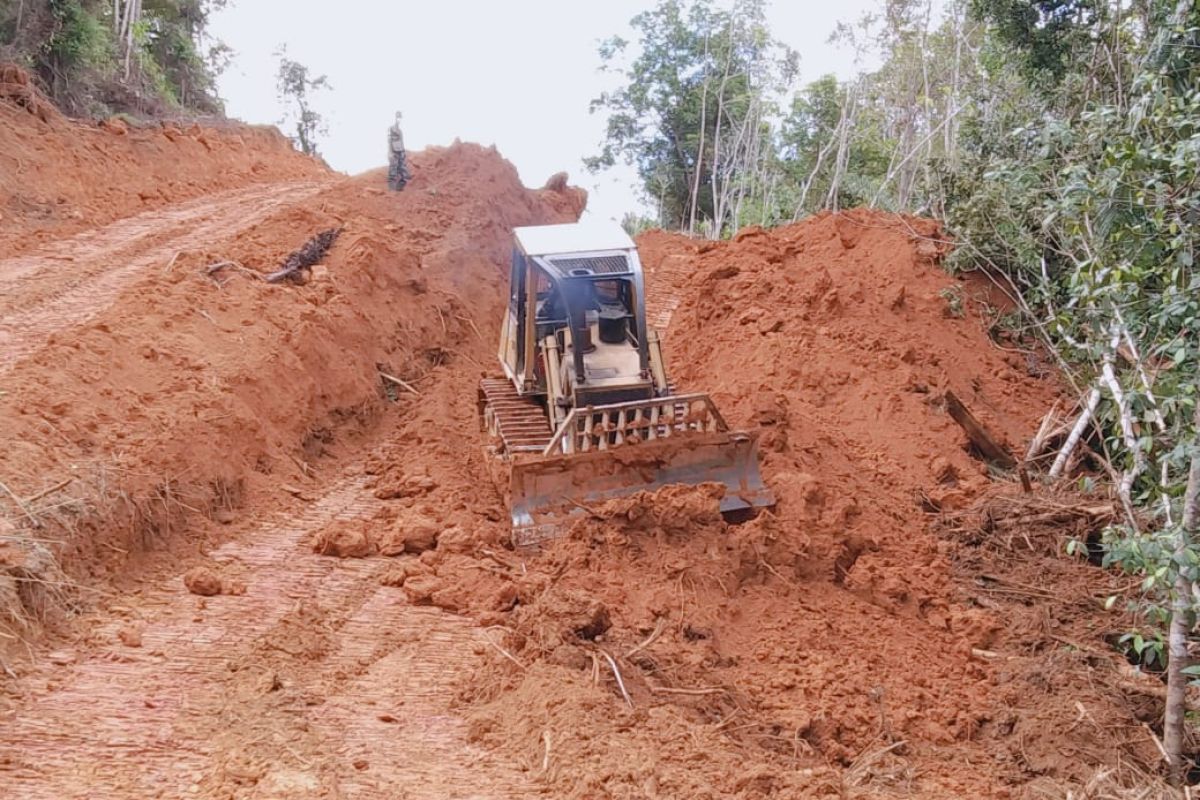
{"x": 617, "y": 674}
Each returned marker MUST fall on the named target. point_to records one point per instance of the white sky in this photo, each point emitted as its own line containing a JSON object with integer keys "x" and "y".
{"x": 518, "y": 74}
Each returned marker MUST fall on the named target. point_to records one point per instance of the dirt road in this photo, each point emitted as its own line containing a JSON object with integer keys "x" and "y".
{"x": 853, "y": 643}
{"x": 307, "y": 677}
{"x": 315, "y": 682}
{"x": 69, "y": 281}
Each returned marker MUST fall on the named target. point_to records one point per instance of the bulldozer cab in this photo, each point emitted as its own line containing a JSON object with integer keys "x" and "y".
{"x": 577, "y": 289}
{"x": 585, "y": 412}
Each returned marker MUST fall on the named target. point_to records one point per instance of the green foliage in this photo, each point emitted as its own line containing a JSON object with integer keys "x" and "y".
{"x": 633, "y": 223}
{"x": 955, "y": 301}
{"x": 91, "y": 63}
{"x": 1082, "y": 189}
{"x": 1149, "y": 650}
{"x": 1058, "y": 139}
{"x": 698, "y": 113}
{"x": 1048, "y": 34}
{"x": 296, "y": 86}
{"x": 78, "y": 39}
{"x": 692, "y": 112}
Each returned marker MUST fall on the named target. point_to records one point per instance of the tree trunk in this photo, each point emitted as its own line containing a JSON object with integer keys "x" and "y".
{"x": 700, "y": 150}
{"x": 845, "y": 125}
{"x": 1174, "y": 726}
{"x": 718, "y": 203}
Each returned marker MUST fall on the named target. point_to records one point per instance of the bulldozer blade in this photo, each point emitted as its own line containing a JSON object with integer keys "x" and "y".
{"x": 548, "y": 492}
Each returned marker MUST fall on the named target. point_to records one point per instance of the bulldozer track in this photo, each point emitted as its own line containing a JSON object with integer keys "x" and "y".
{"x": 68, "y": 282}
{"x": 664, "y": 292}
{"x": 166, "y": 723}
{"x": 521, "y": 421}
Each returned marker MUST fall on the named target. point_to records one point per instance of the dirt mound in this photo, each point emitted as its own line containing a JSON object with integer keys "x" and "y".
{"x": 231, "y": 388}
{"x": 842, "y": 644}
{"x": 59, "y": 176}
{"x": 885, "y": 631}
{"x": 17, "y": 88}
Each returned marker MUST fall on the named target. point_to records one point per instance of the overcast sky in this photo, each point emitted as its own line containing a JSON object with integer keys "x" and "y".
{"x": 518, "y": 74}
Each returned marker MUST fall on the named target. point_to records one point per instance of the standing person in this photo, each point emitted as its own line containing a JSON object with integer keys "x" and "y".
{"x": 398, "y": 174}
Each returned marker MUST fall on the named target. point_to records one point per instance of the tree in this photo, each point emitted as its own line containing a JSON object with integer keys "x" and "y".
{"x": 694, "y": 113}
{"x": 1048, "y": 34}
{"x": 1175, "y": 718}
{"x": 101, "y": 56}
{"x": 296, "y": 86}
{"x": 1082, "y": 195}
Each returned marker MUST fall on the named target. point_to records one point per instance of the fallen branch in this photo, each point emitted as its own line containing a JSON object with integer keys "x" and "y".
{"x": 311, "y": 253}
{"x": 51, "y": 490}
{"x": 1066, "y": 514}
{"x": 1039, "y": 439}
{"x": 402, "y": 384}
{"x": 502, "y": 651}
{"x": 591, "y": 511}
{"x": 471, "y": 322}
{"x": 1081, "y": 425}
{"x": 981, "y": 437}
{"x": 617, "y": 674}
{"x": 659, "y": 627}
{"x": 37, "y": 523}
{"x": 213, "y": 269}
{"x": 681, "y": 690}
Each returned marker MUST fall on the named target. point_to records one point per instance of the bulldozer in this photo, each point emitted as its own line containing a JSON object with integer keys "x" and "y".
{"x": 584, "y": 411}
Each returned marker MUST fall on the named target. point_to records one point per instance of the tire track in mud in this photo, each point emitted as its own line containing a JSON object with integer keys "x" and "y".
{"x": 318, "y": 681}
{"x": 169, "y": 719}
{"x": 664, "y": 291}
{"x": 70, "y": 281}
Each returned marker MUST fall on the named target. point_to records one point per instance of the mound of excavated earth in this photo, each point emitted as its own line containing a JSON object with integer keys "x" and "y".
{"x": 249, "y": 547}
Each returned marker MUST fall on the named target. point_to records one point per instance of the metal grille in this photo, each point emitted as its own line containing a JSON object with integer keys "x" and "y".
{"x": 599, "y": 265}
{"x": 611, "y": 426}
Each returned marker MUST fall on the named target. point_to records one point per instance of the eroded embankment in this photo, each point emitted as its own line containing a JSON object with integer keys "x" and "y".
{"x": 847, "y": 643}
{"x": 879, "y": 634}
{"x": 165, "y": 392}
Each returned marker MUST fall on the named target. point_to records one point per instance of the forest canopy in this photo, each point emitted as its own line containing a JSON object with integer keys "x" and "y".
{"x": 1059, "y": 143}
{"x": 97, "y": 57}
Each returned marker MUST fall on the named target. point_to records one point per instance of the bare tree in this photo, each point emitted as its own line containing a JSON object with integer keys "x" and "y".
{"x": 296, "y": 86}
{"x": 1177, "y": 648}
{"x": 126, "y": 16}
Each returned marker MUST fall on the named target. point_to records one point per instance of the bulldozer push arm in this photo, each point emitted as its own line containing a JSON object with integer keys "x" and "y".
{"x": 605, "y": 452}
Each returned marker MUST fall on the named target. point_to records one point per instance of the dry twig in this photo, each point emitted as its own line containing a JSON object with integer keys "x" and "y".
{"x": 37, "y": 523}
{"x": 402, "y": 384}
{"x": 659, "y": 627}
{"x": 617, "y": 674}
{"x": 502, "y": 651}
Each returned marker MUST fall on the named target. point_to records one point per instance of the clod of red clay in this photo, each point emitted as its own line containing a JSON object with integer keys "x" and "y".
{"x": 414, "y": 534}
{"x": 398, "y": 573}
{"x": 422, "y": 588}
{"x": 343, "y": 542}
{"x": 393, "y": 485}
{"x": 202, "y": 581}
{"x": 130, "y": 635}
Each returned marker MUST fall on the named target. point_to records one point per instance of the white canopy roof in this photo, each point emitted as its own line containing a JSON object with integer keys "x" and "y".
{"x": 576, "y": 237}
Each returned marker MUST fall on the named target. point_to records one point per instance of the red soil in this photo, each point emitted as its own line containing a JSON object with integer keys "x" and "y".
{"x": 59, "y": 176}
{"x": 847, "y": 643}
{"x": 839, "y": 645}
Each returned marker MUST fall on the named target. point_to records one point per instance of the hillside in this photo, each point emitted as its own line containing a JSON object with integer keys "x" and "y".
{"x": 97, "y": 58}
